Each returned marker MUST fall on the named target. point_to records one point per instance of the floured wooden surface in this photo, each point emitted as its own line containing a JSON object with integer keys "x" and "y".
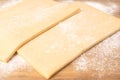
{"x": 103, "y": 61}
{"x": 85, "y": 67}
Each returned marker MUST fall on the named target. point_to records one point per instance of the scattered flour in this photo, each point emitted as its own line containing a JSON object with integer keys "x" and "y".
{"x": 104, "y": 59}
{"x": 17, "y": 64}
{"x": 110, "y": 7}
{"x": 9, "y": 3}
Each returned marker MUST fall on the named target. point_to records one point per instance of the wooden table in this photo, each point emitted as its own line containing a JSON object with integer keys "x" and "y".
{"x": 102, "y": 62}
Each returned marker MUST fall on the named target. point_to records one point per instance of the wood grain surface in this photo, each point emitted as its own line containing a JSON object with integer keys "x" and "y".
{"x": 102, "y": 62}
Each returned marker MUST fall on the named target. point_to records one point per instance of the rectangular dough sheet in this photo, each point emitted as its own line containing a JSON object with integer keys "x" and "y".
{"x": 57, "y": 47}
{"x": 17, "y": 30}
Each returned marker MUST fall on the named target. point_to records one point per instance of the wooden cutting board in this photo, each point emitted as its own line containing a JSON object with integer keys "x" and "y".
{"x": 102, "y": 62}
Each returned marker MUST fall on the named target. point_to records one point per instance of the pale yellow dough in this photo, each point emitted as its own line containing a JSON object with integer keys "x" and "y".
{"x": 15, "y": 16}
{"x": 18, "y": 29}
{"x": 54, "y": 49}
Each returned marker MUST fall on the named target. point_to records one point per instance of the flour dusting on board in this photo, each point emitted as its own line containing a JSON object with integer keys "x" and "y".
{"x": 9, "y": 3}
{"x": 16, "y": 64}
{"x": 104, "y": 59}
{"x": 110, "y": 7}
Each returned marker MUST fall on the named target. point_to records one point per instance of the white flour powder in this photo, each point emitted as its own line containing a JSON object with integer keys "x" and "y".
{"x": 104, "y": 58}
{"x": 9, "y": 3}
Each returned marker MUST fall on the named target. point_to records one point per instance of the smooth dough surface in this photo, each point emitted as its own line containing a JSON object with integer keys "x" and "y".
{"x": 57, "y": 47}
{"x": 18, "y": 29}
{"x": 14, "y": 17}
